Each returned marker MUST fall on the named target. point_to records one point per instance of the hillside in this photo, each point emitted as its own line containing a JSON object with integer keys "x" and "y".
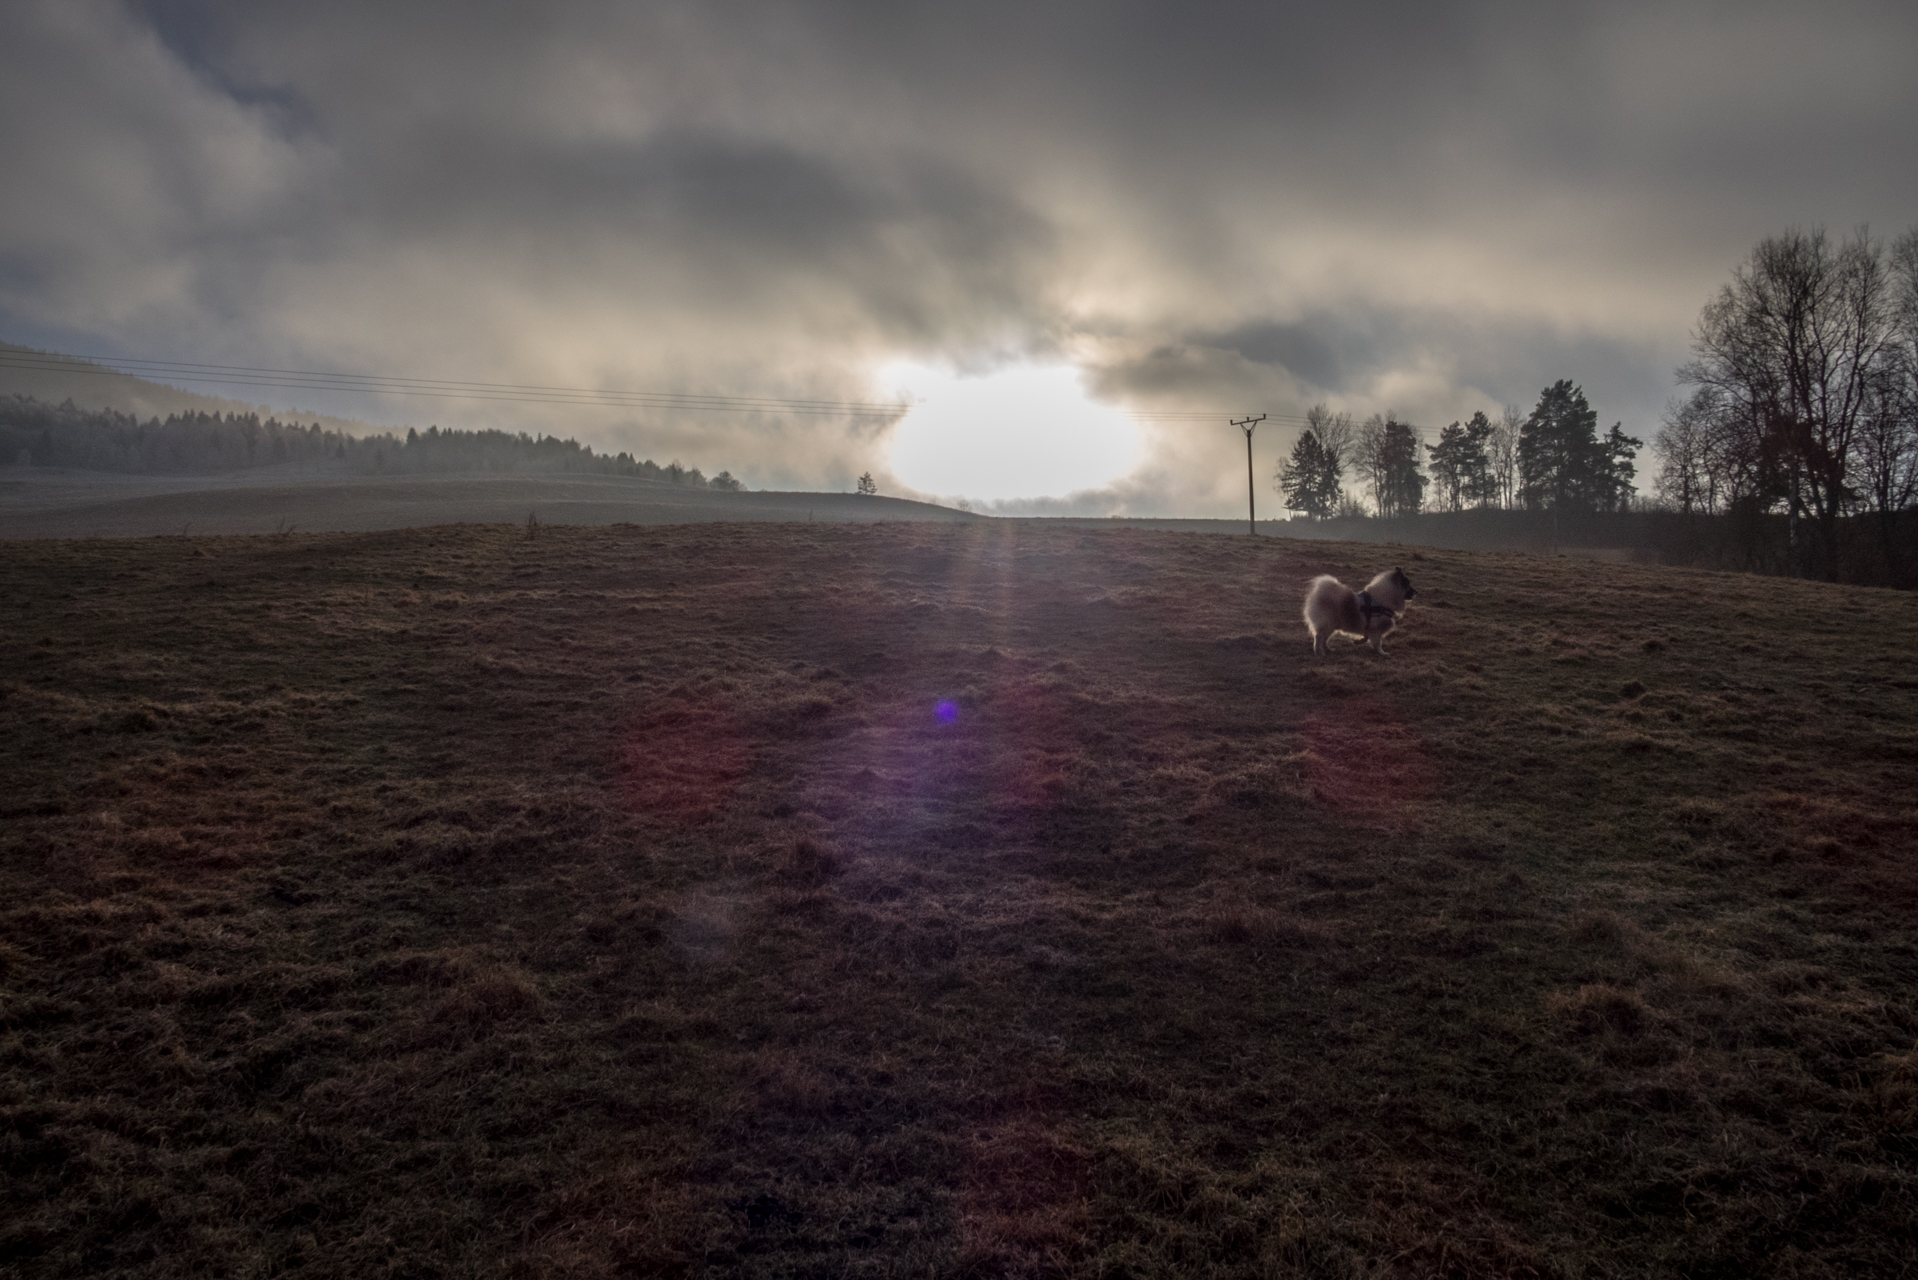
{"x": 36, "y": 504}
{"x": 95, "y": 386}
{"x": 986, "y": 898}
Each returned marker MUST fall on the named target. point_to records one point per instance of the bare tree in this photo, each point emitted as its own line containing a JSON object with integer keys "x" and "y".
{"x": 1796, "y": 344}
{"x": 1335, "y": 431}
{"x": 1372, "y": 456}
{"x": 1687, "y": 478}
{"x": 1887, "y": 447}
{"x": 1887, "y": 459}
{"x": 1502, "y": 449}
{"x": 1904, "y": 273}
{"x": 1904, "y": 269}
{"x": 1387, "y": 458}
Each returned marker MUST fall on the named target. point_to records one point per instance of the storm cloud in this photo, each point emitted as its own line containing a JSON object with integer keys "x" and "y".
{"x": 1416, "y": 208}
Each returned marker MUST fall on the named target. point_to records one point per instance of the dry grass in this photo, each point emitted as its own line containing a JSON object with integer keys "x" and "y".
{"x": 964, "y": 900}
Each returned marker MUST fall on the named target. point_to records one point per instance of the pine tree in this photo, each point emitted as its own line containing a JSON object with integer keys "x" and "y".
{"x": 1461, "y": 465}
{"x": 1447, "y": 459}
{"x": 1478, "y": 484}
{"x": 1615, "y": 487}
{"x": 1402, "y": 492}
{"x": 1309, "y": 479}
{"x": 867, "y": 485}
{"x": 1559, "y": 454}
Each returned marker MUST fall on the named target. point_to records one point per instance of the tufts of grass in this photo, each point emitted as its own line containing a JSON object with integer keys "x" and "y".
{"x": 810, "y": 861}
{"x": 995, "y": 899}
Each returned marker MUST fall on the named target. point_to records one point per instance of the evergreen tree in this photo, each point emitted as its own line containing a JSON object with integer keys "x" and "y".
{"x": 1444, "y": 457}
{"x": 1448, "y": 462}
{"x": 1462, "y": 465}
{"x": 1563, "y": 463}
{"x": 1401, "y": 491}
{"x": 1615, "y": 486}
{"x": 867, "y": 485}
{"x": 1309, "y": 480}
{"x": 1559, "y": 452}
{"x": 1478, "y": 486}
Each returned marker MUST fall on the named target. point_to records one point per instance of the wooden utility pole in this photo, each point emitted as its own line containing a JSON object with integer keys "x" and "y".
{"x": 1251, "y": 508}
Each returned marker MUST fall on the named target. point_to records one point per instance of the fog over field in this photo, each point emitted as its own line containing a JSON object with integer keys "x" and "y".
{"x": 1213, "y": 206}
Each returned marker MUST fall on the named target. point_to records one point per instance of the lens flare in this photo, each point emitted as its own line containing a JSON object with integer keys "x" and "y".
{"x": 946, "y": 712}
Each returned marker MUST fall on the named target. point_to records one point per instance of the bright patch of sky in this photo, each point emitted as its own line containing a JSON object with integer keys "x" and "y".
{"x": 1024, "y": 432}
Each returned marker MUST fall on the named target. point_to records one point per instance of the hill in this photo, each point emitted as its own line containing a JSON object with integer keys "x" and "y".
{"x": 26, "y": 371}
{"x": 985, "y": 898}
{"x": 193, "y": 448}
{"x": 52, "y": 504}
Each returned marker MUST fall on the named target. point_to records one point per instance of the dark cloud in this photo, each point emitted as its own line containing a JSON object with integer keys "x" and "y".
{"x": 200, "y": 40}
{"x": 1428, "y": 208}
{"x": 1318, "y": 352}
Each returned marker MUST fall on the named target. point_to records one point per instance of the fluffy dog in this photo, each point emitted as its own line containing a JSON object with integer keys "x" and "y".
{"x": 1333, "y": 608}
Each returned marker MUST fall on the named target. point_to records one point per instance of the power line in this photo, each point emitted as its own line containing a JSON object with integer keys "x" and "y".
{"x": 1278, "y": 419}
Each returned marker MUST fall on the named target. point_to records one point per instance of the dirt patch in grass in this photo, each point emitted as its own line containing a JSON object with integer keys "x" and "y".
{"x": 992, "y": 899}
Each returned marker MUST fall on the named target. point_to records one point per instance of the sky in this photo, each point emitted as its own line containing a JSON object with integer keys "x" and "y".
{"x": 1204, "y": 209}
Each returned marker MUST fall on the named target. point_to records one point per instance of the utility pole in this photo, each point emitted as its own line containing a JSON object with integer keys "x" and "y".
{"x": 1251, "y": 508}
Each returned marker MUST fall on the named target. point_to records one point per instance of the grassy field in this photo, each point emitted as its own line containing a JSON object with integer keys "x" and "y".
{"x": 980, "y": 899}
{"x": 51, "y": 503}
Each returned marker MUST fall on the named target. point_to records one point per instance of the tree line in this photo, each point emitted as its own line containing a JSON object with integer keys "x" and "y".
{"x": 1550, "y": 460}
{"x": 1799, "y": 440}
{"x": 1793, "y": 451}
{"x": 35, "y": 433}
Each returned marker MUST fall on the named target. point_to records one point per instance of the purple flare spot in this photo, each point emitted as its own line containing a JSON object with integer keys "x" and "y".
{"x": 947, "y": 712}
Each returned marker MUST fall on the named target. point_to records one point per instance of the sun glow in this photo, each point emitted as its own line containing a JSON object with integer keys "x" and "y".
{"x": 1019, "y": 433}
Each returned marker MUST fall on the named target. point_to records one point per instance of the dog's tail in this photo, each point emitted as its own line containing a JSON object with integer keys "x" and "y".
{"x": 1316, "y": 592}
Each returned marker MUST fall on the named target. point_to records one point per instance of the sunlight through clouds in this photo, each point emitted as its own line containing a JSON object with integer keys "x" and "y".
{"x": 1017, "y": 433}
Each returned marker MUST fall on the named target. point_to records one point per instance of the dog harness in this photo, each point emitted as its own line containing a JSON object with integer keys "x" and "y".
{"x": 1370, "y": 609}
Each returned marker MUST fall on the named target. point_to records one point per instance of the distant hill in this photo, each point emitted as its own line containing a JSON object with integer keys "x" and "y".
{"x": 34, "y": 433}
{"x": 47, "y": 503}
{"x": 94, "y": 386}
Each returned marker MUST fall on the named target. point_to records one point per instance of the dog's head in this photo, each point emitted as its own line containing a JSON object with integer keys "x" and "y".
{"x": 1402, "y": 582}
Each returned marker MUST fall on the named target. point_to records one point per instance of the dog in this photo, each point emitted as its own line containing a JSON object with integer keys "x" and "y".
{"x": 1332, "y": 608}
